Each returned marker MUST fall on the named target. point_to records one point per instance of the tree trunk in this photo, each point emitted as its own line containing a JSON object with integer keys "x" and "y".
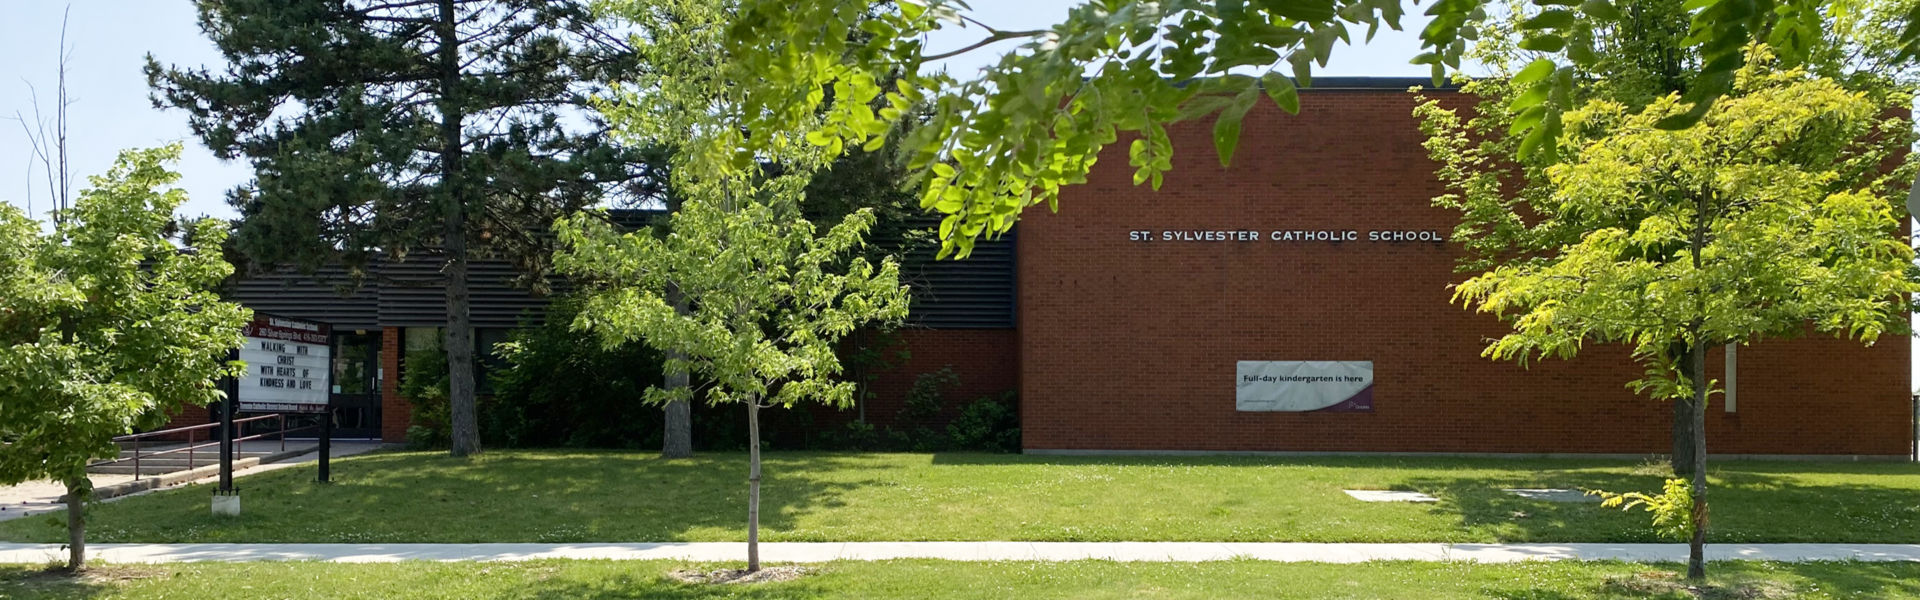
{"x": 678, "y": 435}
{"x": 1697, "y": 420}
{"x": 1696, "y": 546}
{"x": 77, "y": 490}
{"x": 465, "y": 423}
{"x": 753, "y": 484}
{"x": 1682, "y": 458}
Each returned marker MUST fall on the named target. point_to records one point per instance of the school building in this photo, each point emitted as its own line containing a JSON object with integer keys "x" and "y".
{"x": 1297, "y": 302}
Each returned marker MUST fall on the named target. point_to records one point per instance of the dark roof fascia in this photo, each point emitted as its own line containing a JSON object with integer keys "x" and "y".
{"x": 1365, "y": 84}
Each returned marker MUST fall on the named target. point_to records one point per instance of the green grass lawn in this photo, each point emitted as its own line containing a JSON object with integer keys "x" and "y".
{"x": 921, "y": 579}
{"x": 537, "y": 496}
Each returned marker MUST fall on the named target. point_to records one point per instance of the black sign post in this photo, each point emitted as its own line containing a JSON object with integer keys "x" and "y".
{"x": 226, "y": 446}
{"x": 326, "y": 444}
{"x": 226, "y": 500}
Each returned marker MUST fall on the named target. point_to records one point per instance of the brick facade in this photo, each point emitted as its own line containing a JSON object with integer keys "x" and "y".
{"x": 395, "y": 411}
{"x": 1128, "y": 345}
{"x": 986, "y": 361}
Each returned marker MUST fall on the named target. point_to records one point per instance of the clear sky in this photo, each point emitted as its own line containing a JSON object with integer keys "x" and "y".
{"x": 108, "y": 41}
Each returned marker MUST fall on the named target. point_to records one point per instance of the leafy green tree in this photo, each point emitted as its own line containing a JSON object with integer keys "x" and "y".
{"x": 770, "y": 300}
{"x": 1124, "y": 70}
{"x": 108, "y": 325}
{"x": 1770, "y": 217}
{"x": 741, "y": 291}
{"x": 1640, "y": 58}
{"x": 389, "y": 127}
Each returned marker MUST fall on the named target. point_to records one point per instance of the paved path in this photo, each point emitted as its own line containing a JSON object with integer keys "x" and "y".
{"x": 1044, "y": 551}
{"x": 38, "y": 497}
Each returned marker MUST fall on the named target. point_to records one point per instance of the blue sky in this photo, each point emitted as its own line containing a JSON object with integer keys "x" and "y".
{"x": 109, "y": 39}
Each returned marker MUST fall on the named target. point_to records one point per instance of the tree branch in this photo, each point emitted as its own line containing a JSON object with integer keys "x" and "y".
{"x": 997, "y": 36}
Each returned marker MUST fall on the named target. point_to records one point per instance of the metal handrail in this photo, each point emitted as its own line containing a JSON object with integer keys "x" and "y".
{"x": 190, "y": 447}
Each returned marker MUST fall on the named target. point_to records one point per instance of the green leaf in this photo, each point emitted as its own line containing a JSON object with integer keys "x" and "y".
{"x": 1311, "y": 11}
{"x": 1281, "y": 90}
{"x": 1687, "y": 119}
{"x": 1226, "y": 129}
{"x": 1600, "y": 9}
{"x": 1552, "y": 19}
{"x": 1527, "y": 119}
{"x": 1200, "y": 106}
{"x": 1543, "y": 43}
{"x": 1537, "y": 70}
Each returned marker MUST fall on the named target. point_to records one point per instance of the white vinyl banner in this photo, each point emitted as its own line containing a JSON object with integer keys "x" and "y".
{"x": 1303, "y": 385}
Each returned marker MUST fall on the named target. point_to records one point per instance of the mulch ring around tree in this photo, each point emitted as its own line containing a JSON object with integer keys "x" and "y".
{"x": 57, "y": 576}
{"x": 765, "y": 575}
{"x": 1653, "y": 583}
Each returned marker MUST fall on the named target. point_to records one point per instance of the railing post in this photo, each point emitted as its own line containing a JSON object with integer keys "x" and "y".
{"x": 136, "y": 459}
{"x": 189, "y": 449}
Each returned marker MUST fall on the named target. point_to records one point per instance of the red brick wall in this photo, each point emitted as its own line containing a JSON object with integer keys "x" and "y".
{"x": 1131, "y": 345}
{"x": 189, "y": 416}
{"x": 985, "y": 359}
{"x": 395, "y": 413}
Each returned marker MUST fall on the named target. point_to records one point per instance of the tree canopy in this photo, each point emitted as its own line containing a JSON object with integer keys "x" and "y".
{"x": 1124, "y": 70}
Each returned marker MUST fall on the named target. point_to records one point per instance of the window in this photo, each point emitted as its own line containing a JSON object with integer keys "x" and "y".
{"x": 489, "y": 360}
{"x": 430, "y": 340}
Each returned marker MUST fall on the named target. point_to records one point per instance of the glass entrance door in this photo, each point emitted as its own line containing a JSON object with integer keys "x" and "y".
{"x": 355, "y": 402}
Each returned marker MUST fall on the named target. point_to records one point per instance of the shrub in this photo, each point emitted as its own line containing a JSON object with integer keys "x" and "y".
{"x": 920, "y": 408}
{"x": 424, "y": 384}
{"x": 560, "y": 388}
{"x": 990, "y": 424}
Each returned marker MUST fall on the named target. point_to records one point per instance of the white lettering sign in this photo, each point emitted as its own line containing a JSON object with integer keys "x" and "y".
{"x": 287, "y": 363}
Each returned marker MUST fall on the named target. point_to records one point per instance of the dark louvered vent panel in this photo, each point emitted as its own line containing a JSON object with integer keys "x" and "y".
{"x": 972, "y": 293}
{"x": 414, "y": 294}
{"x": 315, "y": 297}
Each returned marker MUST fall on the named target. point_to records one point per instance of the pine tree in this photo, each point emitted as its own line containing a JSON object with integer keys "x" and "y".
{"x": 396, "y": 126}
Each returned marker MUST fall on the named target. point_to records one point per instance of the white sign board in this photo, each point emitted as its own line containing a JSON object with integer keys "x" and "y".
{"x": 1303, "y": 385}
{"x": 287, "y": 366}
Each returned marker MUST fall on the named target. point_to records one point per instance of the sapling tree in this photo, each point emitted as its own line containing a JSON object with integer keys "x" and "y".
{"x": 1770, "y": 218}
{"x": 108, "y": 325}
{"x": 770, "y": 299}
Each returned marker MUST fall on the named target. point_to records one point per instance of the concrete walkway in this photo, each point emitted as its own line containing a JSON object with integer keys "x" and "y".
{"x": 1042, "y": 551}
{"x": 39, "y": 497}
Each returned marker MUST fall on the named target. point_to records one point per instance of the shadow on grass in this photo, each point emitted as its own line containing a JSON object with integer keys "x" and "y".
{"x": 34, "y": 582}
{"x": 1749, "y": 506}
{"x": 659, "y": 587}
{"x": 1753, "y": 501}
{"x": 522, "y": 496}
{"x": 1741, "y": 581}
